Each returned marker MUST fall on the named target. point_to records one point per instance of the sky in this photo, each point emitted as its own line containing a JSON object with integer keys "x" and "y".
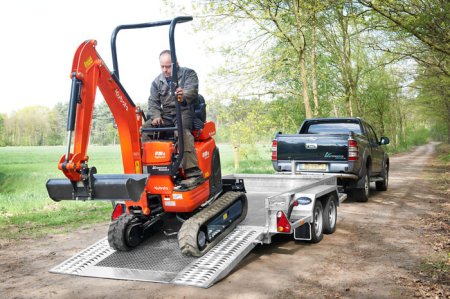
{"x": 39, "y": 40}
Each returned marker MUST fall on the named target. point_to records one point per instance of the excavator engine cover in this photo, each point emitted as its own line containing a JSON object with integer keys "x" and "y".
{"x": 157, "y": 152}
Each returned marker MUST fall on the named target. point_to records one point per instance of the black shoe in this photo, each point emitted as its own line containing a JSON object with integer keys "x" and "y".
{"x": 193, "y": 172}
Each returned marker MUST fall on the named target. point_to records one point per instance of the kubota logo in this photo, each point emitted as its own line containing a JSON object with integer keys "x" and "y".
{"x": 120, "y": 98}
{"x": 159, "y": 188}
{"x": 205, "y": 155}
{"x": 160, "y": 155}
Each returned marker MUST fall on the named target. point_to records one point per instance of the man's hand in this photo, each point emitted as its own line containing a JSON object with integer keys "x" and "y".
{"x": 179, "y": 92}
{"x": 157, "y": 121}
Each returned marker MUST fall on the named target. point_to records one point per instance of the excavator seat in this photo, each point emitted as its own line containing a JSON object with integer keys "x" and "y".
{"x": 202, "y": 129}
{"x": 208, "y": 130}
{"x": 199, "y": 113}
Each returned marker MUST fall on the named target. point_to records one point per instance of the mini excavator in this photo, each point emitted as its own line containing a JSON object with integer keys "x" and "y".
{"x": 145, "y": 197}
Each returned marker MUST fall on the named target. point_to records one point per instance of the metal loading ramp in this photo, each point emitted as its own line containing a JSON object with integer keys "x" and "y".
{"x": 159, "y": 260}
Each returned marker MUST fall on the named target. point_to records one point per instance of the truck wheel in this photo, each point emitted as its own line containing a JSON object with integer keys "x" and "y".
{"x": 329, "y": 215}
{"x": 362, "y": 194}
{"x": 383, "y": 185}
{"x": 317, "y": 224}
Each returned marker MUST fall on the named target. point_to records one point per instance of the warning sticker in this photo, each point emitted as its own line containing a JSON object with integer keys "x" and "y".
{"x": 177, "y": 196}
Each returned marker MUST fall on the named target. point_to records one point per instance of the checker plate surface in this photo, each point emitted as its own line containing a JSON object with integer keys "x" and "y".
{"x": 159, "y": 259}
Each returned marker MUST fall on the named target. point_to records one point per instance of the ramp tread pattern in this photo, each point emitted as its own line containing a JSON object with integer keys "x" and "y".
{"x": 220, "y": 260}
{"x": 88, "y": 257}
{"x": 199, "y": 272}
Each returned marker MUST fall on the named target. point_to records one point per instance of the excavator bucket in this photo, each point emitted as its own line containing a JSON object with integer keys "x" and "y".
{"x": 112, "y": 187}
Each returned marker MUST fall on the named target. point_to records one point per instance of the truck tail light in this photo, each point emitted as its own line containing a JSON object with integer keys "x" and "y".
{"x": 274, "y": 149}
{"x": 352, "y": 150}
{"x": 283, "y": 225}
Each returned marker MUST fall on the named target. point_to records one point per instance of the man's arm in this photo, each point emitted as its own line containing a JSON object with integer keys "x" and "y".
{"x": 154, "y": 103}
{"x": 190, "y": 86}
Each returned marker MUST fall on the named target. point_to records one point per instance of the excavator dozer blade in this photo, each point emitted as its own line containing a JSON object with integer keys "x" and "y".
{"x": 112, "y": 187}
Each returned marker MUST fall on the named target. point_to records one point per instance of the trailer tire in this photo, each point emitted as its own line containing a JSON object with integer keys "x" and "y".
{"x": 317, "y": 224}
{"x": 330, "y": 215}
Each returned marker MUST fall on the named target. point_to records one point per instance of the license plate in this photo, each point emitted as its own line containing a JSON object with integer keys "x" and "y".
{"x": 313, "y": 166}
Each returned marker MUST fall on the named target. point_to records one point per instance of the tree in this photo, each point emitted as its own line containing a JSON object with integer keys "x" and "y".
{"x": 281, "y": 34}
{"x": 424, "y": 28}
{"x": 2, "y": 130}
{"x": 28, "y": 126}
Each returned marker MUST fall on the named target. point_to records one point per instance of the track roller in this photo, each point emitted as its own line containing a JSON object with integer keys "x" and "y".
{"x": 205, "y": 229}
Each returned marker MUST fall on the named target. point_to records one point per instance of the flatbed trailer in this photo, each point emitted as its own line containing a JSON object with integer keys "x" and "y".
{"x": 301, "y": 205}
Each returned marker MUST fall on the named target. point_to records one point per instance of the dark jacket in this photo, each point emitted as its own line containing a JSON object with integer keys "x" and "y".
{"x": 160, "y": 103}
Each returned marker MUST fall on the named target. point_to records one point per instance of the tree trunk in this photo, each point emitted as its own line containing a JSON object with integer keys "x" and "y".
{"x": 304, "y": 78}
{"x": 448, "y": 122}
{"x": 314, "y": 67}
{"x": 236, "y": 158}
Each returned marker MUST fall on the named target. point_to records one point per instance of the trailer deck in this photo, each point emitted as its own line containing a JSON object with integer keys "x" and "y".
{"x": 158, "y": 259}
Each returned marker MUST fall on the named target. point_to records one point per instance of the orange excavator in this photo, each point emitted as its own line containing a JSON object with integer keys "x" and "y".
{"x": 146, "y": 196}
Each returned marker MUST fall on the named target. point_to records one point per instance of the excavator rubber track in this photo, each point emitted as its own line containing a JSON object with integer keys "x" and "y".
{"x": 188, "y": 234}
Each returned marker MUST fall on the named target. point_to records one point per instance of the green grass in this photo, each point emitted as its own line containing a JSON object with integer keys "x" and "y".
{"x": 27, "y": 211}
{"x": 253, "y": 159}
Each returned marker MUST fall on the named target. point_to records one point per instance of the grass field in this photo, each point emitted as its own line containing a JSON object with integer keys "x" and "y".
{"x": 26, "y": 210}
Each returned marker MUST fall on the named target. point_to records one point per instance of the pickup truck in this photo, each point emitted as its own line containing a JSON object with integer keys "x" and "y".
{"x": 347, "y": 147}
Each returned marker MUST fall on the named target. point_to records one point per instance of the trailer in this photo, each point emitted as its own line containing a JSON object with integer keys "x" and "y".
{"x": 304, "y": 206}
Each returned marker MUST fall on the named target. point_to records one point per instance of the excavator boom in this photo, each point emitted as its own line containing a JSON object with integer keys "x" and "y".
{"x": 89, "y": 72}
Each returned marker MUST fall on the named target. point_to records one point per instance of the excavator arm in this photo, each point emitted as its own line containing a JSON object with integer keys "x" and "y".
{"x": 89, "y": 72}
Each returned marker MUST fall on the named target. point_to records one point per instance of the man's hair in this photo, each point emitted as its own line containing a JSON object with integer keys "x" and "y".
{"x": 165, "y": 52}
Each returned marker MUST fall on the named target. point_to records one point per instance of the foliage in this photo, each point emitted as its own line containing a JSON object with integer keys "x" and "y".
{"x": 358, "y": 50}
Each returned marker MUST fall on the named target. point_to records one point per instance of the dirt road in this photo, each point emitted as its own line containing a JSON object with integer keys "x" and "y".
{"x": 376, "y": 252}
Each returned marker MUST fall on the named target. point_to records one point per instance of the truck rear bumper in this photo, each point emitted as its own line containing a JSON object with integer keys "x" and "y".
{"x": 342, "y": 170}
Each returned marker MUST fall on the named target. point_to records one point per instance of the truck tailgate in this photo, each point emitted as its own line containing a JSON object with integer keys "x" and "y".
{"x": 309, "y": 147}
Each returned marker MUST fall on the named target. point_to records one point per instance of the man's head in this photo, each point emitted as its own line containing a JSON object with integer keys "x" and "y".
{"x": 165, "y": 62}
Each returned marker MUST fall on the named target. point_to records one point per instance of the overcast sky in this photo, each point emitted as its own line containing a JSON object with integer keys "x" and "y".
{"x": 39, "y": 39}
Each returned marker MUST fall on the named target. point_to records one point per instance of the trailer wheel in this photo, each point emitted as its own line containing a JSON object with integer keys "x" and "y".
{"x": 330, "y": 215}
{"x": 317, "y": 224}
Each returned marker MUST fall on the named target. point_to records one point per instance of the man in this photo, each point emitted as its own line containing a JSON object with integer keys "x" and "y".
{"x": 162, "y": 111}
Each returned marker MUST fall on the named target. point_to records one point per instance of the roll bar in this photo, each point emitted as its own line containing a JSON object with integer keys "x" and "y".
{"x": 174, "y": 71}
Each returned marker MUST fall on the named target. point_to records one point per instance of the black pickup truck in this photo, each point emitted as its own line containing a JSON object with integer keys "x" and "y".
{"x": 347, "y": 147}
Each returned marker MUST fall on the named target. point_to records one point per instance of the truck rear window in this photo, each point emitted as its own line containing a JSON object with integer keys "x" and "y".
{"x": 331, "y": 128}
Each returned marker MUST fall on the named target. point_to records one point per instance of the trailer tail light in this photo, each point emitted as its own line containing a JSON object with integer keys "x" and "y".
{"x": 352, "y": 150}
{"x": 274, "y": 149}
{"x": 119, "y": 209}
{"x": 283, "y": 225}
